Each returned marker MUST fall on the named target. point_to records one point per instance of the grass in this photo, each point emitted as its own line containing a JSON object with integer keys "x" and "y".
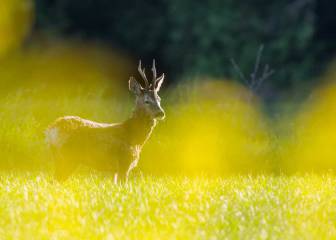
{"x": 237, "y": 140}
{"x": 241, "y": 207}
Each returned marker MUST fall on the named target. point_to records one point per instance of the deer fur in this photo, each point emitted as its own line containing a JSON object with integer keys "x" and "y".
{"x": 112, "y": 147}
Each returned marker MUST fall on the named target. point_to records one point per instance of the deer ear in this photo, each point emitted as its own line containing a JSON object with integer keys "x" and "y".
{"x": 134, "y": 86}
{"x": 159, "y": 82}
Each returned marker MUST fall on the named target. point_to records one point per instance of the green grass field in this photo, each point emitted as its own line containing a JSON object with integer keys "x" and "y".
{"x": 241, "y": 207}
{"x": 224, "y": 136}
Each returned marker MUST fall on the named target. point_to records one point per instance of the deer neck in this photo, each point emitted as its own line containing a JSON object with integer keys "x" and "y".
{"x": 139, "y": 127}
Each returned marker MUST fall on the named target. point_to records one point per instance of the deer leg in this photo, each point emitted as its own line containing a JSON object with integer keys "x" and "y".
{"x": 115, "y": 178}
{"x": 63, "y": 168}
{"x": 122, "y": 175}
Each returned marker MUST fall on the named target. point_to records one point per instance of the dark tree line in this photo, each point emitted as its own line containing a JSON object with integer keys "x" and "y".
{"x": 195, "y": 38}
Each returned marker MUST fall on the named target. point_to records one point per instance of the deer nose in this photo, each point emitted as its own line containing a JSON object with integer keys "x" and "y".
{"x": 160, "y": 115}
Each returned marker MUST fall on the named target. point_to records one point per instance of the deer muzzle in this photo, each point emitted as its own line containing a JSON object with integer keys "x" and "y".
{"x": 160, "y": 115}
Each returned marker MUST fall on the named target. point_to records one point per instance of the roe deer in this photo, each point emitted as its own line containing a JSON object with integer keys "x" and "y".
{"x": 109, "y": 147}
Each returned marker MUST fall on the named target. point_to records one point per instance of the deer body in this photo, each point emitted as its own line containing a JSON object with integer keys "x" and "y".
{"x": 108, "y": 147}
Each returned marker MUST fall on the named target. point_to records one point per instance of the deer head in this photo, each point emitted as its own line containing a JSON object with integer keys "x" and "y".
{"x": 147, "y": 98}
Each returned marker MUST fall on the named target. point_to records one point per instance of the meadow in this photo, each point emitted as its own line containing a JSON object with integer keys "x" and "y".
{"x": 218, "y": 167}
{"x": 87, "y": 206}
{"x": 198, "y": 193}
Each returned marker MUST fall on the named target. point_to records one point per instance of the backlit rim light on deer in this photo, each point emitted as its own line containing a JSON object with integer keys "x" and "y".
{"x": 111, "y": 147}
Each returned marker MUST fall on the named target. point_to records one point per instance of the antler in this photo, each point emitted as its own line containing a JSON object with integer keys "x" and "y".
{"x": 156, "y": 79}
{"x": 154, "y": 75}
{"x": 143, "y": 75}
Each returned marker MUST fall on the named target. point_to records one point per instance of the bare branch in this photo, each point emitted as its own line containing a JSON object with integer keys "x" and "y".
{"x": 256, "y": 66}
{"x": 256, "y": 79}
{"x": 266, "y": 74}
{"x": 239, "y": 71}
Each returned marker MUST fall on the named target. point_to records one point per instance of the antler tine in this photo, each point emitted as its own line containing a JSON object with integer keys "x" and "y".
{"x": 154, "y": 74}
{"x": 143, "y": 74}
